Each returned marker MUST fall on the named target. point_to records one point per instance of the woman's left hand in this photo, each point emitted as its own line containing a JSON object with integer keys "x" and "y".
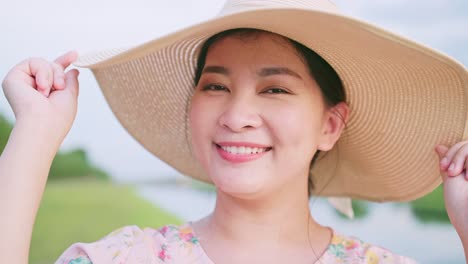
{"x": 454, "y": 166}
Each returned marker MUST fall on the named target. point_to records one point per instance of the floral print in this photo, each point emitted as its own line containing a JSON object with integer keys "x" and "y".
{"x": 80, "y": 260}
{"x": 163, "y": 255}
{"x": 343, "y": 249}
{"x": 179, "y": 244}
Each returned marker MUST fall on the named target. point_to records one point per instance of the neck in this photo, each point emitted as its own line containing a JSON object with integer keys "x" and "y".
{"x": 279, "y": 218}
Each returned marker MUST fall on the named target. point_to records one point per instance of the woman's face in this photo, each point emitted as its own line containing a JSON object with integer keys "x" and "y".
{"x": 257, "y": 116}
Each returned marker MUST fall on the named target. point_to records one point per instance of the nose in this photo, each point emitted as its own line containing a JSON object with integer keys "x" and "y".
{"x": 240, "y": 114}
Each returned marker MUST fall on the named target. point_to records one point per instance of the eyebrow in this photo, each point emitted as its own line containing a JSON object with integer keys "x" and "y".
{"x": 216, "y": 69}
{"x": 264, "y": 72}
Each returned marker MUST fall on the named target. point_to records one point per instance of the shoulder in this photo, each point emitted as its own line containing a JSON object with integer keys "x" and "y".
{"x": 130, "y": 244}
{"x": 349, "y": 249}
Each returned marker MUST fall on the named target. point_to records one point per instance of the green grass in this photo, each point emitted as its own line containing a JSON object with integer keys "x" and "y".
{"x": 77, "y": 207}
{"x": 85, "y": 210}
{"x": 431, "y": 208}
{"x": 72, "y": 164}
{"x": 5, "y": 129}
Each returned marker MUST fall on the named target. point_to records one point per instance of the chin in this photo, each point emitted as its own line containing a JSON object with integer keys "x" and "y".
{"x": 241, "y": 186}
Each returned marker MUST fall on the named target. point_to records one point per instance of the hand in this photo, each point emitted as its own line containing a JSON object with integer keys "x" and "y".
{"x": 454, "y": 166}
{"x": 41, "y": 92}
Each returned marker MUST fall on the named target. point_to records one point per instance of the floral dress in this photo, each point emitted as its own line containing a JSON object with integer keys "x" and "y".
{"x": 178, "y": 244}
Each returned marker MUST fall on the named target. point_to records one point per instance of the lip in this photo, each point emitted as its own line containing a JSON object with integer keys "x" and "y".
{"x": 240, "y": 144}
{"x": 240, "y": 158}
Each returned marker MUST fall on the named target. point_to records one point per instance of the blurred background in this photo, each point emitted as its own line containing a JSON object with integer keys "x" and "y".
{"x": 103, "y": 179}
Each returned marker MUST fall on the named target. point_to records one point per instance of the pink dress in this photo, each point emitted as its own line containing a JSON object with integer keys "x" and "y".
{"x": 179, "y": 244}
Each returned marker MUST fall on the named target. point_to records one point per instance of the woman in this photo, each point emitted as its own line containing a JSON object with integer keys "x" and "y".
{"x": 263, "y": 106}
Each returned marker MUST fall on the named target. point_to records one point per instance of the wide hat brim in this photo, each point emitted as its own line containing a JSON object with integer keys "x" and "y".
{"x": 404, "y": 99}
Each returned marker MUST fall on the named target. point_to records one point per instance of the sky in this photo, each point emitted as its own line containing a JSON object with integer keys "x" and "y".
{"x": 48, "y": 28}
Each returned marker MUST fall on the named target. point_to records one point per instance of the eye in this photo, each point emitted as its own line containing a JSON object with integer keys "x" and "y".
{"x": 214, "y": 87}
{"x": 275, "y": 90}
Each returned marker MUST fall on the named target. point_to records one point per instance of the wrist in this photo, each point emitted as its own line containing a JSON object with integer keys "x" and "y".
{"x": 36, "y": 136}
{"x": 41, "y": 127}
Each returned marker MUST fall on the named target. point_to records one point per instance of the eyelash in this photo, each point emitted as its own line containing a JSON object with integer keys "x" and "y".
{"x": 278, "y": 91}
{"x": 218, "y": 87}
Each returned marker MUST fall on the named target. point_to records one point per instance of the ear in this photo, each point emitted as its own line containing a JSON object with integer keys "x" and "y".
{"x": 334, "y": 122}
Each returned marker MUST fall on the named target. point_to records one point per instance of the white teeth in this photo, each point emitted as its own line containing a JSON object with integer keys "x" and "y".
{"x": 242, "y": 150}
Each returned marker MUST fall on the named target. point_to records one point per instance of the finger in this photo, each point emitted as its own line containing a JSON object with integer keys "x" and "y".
{"x": 42, "y": 72}
{"x": 458, "y": 161}
{"x": 441, "y": 151}
{"x": 451, "y": 153}
{"x": 71, "y": 82}
{"x": 66, "y": 59}
{"x": 23, "y": 72}
{"x": 59, "y": 76}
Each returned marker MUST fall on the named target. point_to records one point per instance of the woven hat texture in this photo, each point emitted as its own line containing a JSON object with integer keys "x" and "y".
{"x": 404, "y": 97}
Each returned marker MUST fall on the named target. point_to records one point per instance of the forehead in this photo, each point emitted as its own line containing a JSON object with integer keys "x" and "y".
{"x": 264, "y": 46}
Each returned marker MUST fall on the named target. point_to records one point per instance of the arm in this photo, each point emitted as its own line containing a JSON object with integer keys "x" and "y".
{"x": 454, "y": 166}
{"x": 43, "y": 99}
{"x": 24, "y": 166}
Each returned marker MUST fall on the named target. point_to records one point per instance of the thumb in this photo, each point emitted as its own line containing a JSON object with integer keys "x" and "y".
{"x": 441, "y": 150}
{"x": 71, "y": 82}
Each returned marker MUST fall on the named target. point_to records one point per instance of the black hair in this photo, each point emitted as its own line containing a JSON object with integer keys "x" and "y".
{"x": 323, "y": 73}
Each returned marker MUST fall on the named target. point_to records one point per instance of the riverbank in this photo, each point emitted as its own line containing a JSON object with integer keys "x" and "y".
{"x": 390, "y": 225}
{"x": 85, "y": 210}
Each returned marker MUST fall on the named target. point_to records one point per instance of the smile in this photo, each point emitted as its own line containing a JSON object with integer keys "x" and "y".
{"x": 243, "y": 150}
{"x": 237, "y": 152}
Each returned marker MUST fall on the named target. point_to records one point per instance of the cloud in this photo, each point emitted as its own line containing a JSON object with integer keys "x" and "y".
{"x": 440, "y": 24}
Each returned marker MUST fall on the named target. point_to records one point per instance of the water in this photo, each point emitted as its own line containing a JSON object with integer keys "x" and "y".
{"x": 388, "y": 225}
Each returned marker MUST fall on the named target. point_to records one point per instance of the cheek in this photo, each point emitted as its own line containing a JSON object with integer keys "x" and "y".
{"x": 297, "y": 127}
{"x": 196, "y": 125}
{"x": 296, "y": 134}
{"x": 202, "y": 121}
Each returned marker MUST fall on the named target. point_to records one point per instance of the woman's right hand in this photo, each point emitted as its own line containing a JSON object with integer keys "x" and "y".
{"x": 41, "y": 92}
{"x": 44, "y": 100}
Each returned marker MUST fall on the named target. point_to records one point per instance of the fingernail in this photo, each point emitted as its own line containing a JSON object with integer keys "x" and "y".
{"x": 452, "y": 167}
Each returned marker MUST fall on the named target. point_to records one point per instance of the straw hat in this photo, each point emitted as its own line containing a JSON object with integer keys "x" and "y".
{"x": 404, "y": 98}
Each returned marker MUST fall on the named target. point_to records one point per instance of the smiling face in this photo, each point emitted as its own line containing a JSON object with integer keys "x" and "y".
{"x": 257, "y": 116}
